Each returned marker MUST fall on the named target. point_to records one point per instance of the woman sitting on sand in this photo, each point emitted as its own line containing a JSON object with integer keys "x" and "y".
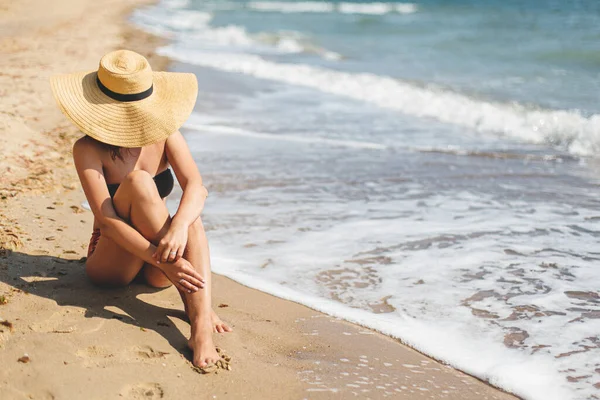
{"x": 131, "y": 116}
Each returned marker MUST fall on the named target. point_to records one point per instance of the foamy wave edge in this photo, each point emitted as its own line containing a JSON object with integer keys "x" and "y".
{"x": 521, "y": 375}
{"x": 194, "y": 26}
{"x": 196, "y": 124}
{"x": 566, "y": 130}
{"x": 325, "y": 7}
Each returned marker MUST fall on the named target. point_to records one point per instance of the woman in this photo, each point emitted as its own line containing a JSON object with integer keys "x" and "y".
{"x": 130, "y": 117}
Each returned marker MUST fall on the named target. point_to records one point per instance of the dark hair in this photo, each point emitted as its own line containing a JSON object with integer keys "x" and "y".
{"x": 114, "y": 151}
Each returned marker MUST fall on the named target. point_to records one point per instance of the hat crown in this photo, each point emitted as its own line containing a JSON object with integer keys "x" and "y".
{"x": 125, "y": 72}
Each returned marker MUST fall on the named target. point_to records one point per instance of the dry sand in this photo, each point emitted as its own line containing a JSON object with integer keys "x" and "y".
{"x": 87, "y": 343}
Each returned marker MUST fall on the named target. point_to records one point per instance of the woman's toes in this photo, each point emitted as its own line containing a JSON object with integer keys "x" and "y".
{"x": 219, "y": 328}
{"x": 210, "y": 361}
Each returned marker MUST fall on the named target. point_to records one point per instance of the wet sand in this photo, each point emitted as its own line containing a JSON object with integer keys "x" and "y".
{"x": 78, "y": 341}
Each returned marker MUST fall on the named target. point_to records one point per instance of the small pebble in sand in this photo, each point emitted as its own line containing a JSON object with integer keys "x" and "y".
{"x": 24, "y": 359}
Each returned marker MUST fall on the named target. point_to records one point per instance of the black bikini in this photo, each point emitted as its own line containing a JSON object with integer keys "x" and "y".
{"x": 164, "y": 183}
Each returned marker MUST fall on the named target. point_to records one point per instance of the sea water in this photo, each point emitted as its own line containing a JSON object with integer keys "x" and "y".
{"x": 427, "y": 169}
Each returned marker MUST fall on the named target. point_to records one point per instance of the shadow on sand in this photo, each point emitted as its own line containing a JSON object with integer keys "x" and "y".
{"x": 64, "y": 281}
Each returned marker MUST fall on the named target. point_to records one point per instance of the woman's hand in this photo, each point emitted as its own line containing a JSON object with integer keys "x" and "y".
{"x": 172, "y": 245}
{"x": 183, "y": 275}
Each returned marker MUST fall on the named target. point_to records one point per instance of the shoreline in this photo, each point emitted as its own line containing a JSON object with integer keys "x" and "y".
{"x": 84, "y": 341}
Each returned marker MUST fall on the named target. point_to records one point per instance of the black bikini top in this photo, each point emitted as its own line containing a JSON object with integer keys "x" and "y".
{"x": 164, "y": 183}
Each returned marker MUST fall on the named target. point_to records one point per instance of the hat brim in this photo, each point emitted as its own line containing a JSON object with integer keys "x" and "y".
{"x": 126, "y": 124}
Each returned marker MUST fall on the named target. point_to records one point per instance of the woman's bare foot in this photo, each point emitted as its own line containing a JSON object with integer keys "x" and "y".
{"x": 218, "y": 325}
{"x": 201, "y": 343}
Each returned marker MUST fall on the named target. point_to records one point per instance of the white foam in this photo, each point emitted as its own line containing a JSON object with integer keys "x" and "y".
{"x": 526, "y": 376}
{"x": 327, "y": 7}
{"x": 426, "y": 244}
{"x": 175, "y": 3}
{"x": 192, "y": 27}
{"x": 289, "y": 7}
{"x": 170, "y": 22}
{"x": 227, "y": 130}
{"x": 377, "y": 8}
{"x": 568, "y": 130}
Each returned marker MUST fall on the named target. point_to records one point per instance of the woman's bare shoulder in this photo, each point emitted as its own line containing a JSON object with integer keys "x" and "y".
{"x": 86, "y": 148}
{"x": 175, "y": 141}
{"x": 174, "y": 137}
{"x": 84, "y": 144}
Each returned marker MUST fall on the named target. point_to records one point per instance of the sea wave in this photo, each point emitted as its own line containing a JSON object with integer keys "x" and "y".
{"x": 195, "y": 123}
{"x": 200, "y": 124}
{"x": 377, "y": 8}
{"x": 564, "y": 129}
{"x": 194, "y": 27}
{"x": 171, "y": 22}
{"x": 326, "y": 7}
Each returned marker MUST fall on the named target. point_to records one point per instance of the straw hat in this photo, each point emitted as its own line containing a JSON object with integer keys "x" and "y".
{"x": 124, "y": 103}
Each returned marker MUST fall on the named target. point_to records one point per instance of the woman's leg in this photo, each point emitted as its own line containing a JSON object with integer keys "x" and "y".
{"x": 197, "y": 253}
{"x": 135, "y": 202}
{"x": 198, "y": 305}
{"x": 138, "y": 201}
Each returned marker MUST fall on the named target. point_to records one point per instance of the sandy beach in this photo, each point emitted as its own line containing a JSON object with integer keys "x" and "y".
{"x": 76, "y": 341}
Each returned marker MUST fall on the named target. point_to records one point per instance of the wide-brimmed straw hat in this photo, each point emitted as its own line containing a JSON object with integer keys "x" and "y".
{"x": 125, "y": 103}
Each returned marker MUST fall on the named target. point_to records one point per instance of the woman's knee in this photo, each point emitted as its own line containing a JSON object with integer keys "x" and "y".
{"x": 141, "y": 185}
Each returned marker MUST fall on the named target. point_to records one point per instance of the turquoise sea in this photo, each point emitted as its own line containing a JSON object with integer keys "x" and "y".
{"x": 426, "y": 169}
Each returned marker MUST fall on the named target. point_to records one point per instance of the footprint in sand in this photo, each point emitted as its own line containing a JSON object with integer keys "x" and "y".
{"x": 62, "y": 321}
{"x": 95, "y": 355}
{"x": 94, "y": 351}
{"x": 148, "y": 352}
{"x": 143, "y": 391}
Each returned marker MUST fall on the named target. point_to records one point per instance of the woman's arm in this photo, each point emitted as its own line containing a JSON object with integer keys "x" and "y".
{"x": 91, "y": 175}
{"x": 192, "y": 201}
{"x": 188, "y": 176}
